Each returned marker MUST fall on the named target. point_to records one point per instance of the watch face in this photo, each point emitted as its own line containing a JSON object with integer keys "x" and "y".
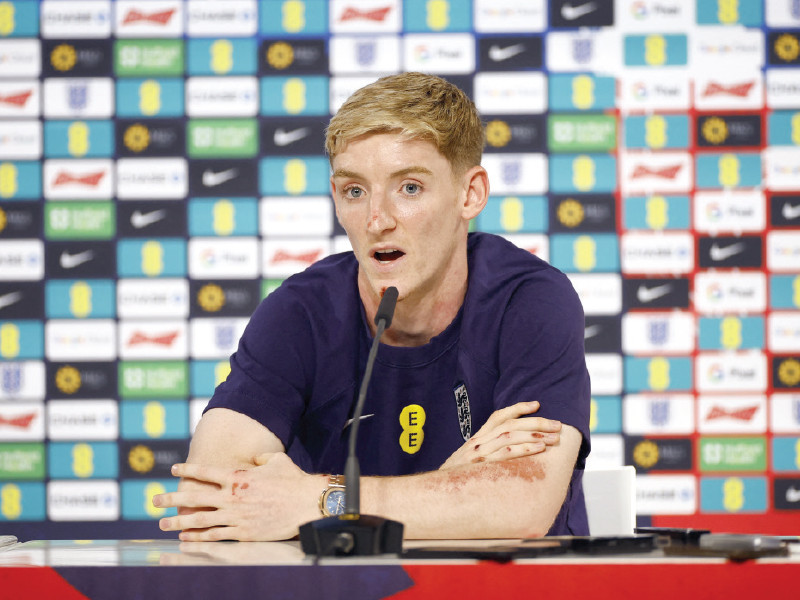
{"x": 334, "y": 503}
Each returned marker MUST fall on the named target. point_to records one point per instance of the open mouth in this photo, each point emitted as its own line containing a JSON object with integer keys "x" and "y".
{"x": 387, "y": 256}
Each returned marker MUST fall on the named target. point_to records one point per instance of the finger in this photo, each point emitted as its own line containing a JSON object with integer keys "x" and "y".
{"x": 214, "y": 534}
{"x": 510, "y": 412}
{"x": 547, "y": 427}
{"x": 533, "y": 424}
{"x": 200, "y": 520}
{"x": 186, "y": 500}
{"x": 514, "y": 451}
{"x": 510, "y": 438}
{"x": 218, "y": 475}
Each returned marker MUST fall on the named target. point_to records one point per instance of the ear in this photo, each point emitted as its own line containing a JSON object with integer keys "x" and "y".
{"x": 333, "y": 198}
{"x": 476, "y": 185}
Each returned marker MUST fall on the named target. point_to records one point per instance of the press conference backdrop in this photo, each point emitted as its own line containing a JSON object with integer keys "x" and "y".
{"x": 161, "y": 170}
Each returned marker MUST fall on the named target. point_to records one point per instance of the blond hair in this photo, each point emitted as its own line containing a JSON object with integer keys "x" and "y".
{"x": 418, "y": 106}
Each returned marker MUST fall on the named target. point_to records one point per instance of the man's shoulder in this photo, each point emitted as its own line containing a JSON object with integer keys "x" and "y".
{"x": 326, "y": 287}
{"x": 496, "y": 264}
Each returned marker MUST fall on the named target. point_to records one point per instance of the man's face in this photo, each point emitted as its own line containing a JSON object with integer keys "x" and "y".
{"x": 404, "y": 213}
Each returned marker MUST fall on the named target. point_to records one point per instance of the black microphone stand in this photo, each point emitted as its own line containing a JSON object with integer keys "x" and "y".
{"x": 351, "y": 533}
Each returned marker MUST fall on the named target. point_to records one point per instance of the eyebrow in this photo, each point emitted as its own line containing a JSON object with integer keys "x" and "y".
{"x": 401, "y": 173}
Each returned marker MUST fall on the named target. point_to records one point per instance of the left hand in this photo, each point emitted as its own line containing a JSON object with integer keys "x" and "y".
{"x": 265, "y": 503}
{"x": 507, "y": 434}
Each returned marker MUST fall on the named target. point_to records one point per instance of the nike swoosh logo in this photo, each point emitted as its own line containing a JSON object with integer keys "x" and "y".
{"x": 212, "y": 179}
{"x": 591, "y": 331}
{"x": 10, "y": 298}
{"x": 361, "y": 418}
{"x": 718, "y": 254}
{"x": 792, "y": 495}
{"x": 140, "y": 220}
{"x": 790, "y": 212}
{"x": 498, "y": 54}
{"x": 70, "y": 261}
{"x": 284, "y": 138}
{"x": 570, "y": 13}
{"x": 645, "y": 294}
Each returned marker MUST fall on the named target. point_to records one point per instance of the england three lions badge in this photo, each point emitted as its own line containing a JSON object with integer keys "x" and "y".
{"x": 462, "y": 405}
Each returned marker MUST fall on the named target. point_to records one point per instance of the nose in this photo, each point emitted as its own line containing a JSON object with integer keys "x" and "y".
{"x": 381, "y": 217}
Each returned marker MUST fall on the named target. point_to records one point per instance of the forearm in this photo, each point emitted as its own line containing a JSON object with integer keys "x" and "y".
{"x": 519, "y": 497}
{"x": 489, "y": 500}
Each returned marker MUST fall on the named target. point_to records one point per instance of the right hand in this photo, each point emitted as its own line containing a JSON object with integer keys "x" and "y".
{"x": 507, "y": 434}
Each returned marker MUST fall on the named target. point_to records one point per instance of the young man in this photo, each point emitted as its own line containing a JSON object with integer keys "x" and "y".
{"x": 483, "y": 334}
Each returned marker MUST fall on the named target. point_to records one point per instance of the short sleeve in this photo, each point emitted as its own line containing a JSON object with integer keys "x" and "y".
{"x": 541, "y": 354}
{"x": 270, "y": 375}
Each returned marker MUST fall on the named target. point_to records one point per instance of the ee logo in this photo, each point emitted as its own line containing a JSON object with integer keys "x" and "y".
{"x": 412, "y": 420}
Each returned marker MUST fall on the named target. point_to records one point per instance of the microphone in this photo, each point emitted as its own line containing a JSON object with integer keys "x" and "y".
{"x": 351, "y": 533}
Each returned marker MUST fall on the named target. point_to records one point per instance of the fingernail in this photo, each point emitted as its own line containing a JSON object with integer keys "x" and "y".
{"x": 174, "y": 469}
{"x": 164, "y": 524}
{"x": 156, "y": 500}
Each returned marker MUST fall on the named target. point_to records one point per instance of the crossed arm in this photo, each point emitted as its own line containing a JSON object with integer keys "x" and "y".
{"x": 238, "y": 483}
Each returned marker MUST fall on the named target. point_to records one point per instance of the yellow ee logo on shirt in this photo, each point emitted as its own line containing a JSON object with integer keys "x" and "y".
{"x": 412, "y": 420}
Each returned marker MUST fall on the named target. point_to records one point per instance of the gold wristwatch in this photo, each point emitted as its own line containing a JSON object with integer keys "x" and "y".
{"x": 331, "y": 500}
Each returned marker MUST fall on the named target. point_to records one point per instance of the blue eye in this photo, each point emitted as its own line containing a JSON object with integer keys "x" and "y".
{"x": 355, "y": 192}
{"x": 411, "y": 188}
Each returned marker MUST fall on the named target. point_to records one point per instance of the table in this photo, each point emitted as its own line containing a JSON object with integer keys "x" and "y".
{"x": 151, "y": 569}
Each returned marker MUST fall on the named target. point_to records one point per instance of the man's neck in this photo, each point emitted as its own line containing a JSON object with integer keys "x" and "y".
{"x": 417, "y": 321}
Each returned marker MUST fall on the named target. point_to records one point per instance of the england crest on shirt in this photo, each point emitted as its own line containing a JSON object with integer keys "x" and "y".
{"x": 464, "y": 416}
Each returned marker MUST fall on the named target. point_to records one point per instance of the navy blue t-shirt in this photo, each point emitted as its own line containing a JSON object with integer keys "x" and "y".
{"x": 517, "y": 337}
